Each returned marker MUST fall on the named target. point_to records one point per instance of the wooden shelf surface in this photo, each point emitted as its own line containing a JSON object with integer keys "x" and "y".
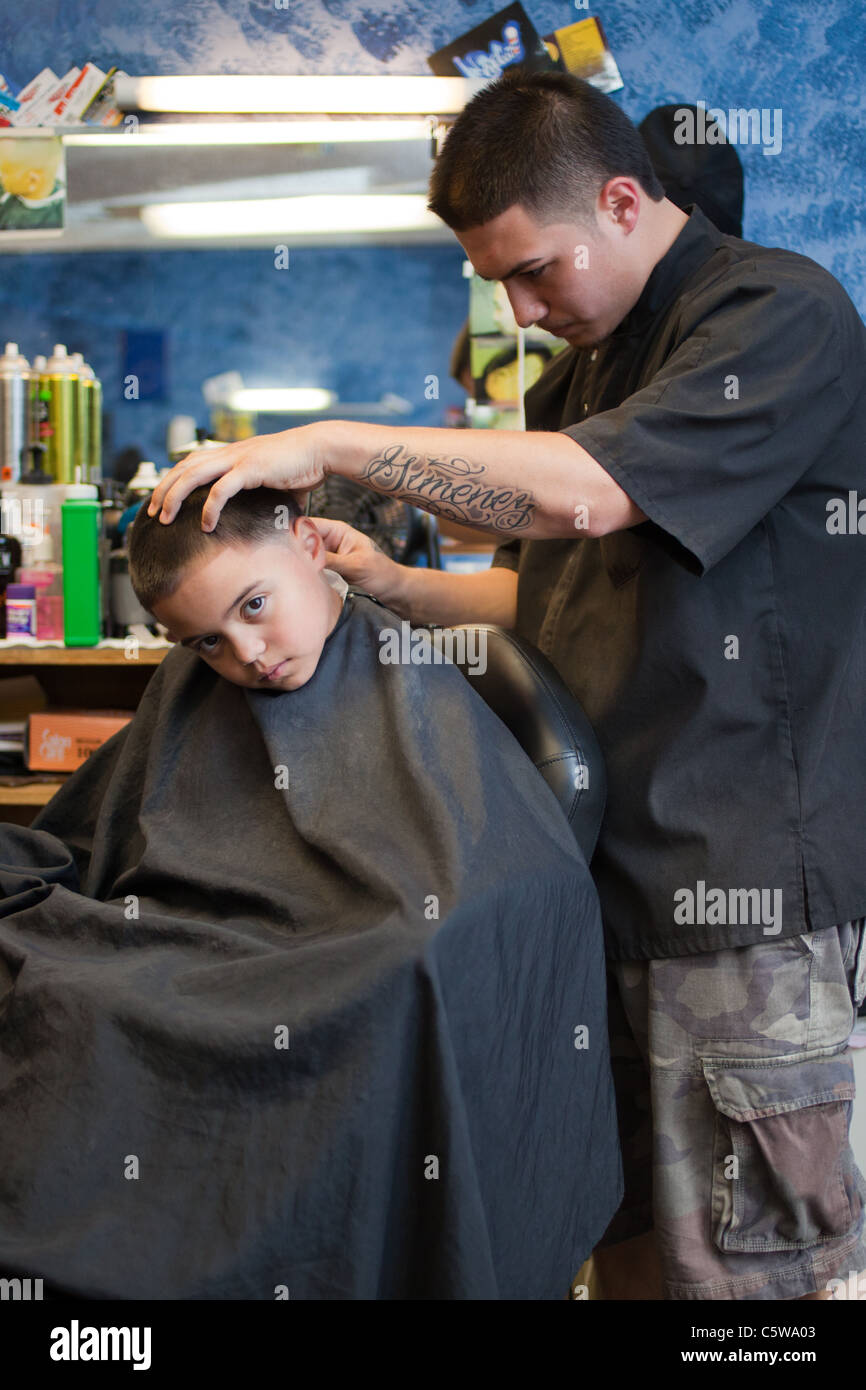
{"x": 28, "y": 793}
{"x": 24, "y": 655}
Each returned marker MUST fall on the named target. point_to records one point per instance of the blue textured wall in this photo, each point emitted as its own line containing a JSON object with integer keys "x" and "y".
{"x": 802, "y": 57}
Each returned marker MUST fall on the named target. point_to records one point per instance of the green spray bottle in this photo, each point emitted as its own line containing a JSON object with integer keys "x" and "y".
{"x": 82, "y": 592}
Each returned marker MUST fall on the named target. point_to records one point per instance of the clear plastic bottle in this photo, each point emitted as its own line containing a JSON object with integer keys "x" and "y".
{"x": 32, "y": 511}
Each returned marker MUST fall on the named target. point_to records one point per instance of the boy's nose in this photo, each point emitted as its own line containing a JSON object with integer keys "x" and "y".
{"x": 249, "y": 649}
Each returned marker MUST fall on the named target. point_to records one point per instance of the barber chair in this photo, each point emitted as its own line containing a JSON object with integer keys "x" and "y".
{"x": 530, "y": 697}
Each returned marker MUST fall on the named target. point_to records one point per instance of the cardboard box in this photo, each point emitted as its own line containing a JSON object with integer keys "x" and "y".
{"x": 60, "y": 740}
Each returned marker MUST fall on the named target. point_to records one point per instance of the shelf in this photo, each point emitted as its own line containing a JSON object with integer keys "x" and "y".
{"x": 28, "y": 793}
{"x": 24, "y": 655}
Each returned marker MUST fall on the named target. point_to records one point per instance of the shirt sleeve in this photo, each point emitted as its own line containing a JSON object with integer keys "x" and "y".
{"x": 736, "y": 415}
{"x": 506, "y": 556}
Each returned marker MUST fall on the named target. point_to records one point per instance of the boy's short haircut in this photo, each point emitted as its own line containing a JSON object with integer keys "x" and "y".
{"x": 159, "y": 553}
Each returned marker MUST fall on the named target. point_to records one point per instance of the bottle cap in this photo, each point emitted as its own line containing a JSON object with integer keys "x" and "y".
{"x": 60, "y": 363}
{"x": 20, "y": 590}
{"x": 13, "y": 360}
{"x": 82, "y": 492}
{"x": 145, "y": 479}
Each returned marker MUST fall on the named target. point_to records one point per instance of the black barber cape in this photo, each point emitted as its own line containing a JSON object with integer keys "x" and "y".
{"x": 719, "y": 647}
{"x": 287, "y": 1072}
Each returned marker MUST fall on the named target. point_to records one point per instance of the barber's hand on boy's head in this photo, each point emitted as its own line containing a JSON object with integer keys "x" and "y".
{"x": 287, "y": 460}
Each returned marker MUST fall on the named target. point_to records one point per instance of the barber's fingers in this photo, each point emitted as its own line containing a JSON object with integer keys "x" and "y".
{"x": 285, "y": 461}
{"x": 189, "y": 473}
{"x": 355, "y": 557}
{"x": 339, "y": 537}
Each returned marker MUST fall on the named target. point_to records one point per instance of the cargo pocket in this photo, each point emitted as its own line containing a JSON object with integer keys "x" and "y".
{"x": 858, "y": 971}
{"x": 782, "y": 1166}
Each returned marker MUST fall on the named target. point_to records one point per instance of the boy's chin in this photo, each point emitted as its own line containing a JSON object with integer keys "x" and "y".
{"x": 283, "y": 686}
{"x": 293, "y": 680}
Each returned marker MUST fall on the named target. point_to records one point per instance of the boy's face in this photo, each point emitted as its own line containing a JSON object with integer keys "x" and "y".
{"x": 248, "y": 609}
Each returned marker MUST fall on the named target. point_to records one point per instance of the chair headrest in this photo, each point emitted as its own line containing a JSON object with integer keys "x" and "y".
{"x": 527, "y": 693}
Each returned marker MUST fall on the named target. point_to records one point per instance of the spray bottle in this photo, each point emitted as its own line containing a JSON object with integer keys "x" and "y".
{"x": 85, "y": 560}
{"x": 14, "y": 422}
{"x": 37, "y": 408}
{"x": 94, "y": 402}
{"x": 59, "y": 388}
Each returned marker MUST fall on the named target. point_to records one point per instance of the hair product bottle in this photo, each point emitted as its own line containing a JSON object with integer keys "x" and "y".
{"x": 59, "y": 388}
{"x": 15, "y": 381}
{"x": 82, "y": 561}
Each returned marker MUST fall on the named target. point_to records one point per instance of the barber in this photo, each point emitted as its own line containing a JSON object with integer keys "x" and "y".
{"x": 673, "y": 538}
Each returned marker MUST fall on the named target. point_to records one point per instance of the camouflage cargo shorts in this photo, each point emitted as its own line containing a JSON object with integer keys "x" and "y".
{"x": 734, "y": 1095}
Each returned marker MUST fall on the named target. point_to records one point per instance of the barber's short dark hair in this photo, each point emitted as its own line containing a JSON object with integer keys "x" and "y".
{"x": 160, "y": 553}
{"x": 546, "y": 140}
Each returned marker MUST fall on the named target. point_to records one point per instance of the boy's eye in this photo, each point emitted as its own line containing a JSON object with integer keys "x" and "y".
{"x": 209, "y": 644}
{"x": 534, "y": 274}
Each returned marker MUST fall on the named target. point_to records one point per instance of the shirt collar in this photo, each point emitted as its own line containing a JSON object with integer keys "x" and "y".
{"x": 696, "y": 242}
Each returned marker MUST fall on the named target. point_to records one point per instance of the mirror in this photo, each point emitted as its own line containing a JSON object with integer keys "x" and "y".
{"x": 115, "y": 180}
{"x": 368, "y": 316}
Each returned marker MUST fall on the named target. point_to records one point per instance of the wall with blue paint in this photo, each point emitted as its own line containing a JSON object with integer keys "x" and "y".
{"x": 801, "y": 57}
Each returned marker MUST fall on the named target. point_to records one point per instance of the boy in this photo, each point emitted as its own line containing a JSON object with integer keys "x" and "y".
{"x": 323, "y": 974}
{"x": 252, "y": 599}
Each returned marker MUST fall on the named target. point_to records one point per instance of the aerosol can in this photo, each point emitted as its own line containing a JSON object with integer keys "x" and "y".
{"x": 81, "y": 458}
{"x": 15, "y": 378}
{"x": 93, "y": 396}
{"x": 37, "y": 408}
{"x": 59, "y": 389}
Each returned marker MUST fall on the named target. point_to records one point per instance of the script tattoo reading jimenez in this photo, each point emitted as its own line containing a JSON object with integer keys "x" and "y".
{"x": 455, "y": 485}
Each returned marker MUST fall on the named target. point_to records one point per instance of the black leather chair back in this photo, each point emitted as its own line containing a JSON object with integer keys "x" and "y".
{"x": 530, "y": 697}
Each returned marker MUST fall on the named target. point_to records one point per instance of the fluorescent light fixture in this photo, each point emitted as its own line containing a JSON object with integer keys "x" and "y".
{"x": 279, "y": 398}
{"x": 300, "y": 216}
{"x": 299, "y": 132}
{"x": 344, "y": 94}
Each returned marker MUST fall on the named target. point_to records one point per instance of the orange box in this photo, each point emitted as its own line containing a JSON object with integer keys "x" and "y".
{"x": 60, "y": 740}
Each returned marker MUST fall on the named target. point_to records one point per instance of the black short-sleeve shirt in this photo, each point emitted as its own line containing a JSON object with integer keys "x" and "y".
{"x": 719, "y": 648}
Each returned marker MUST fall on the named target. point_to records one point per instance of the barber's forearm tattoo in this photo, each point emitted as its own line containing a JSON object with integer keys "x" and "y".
{"x": 450, "y": 487}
